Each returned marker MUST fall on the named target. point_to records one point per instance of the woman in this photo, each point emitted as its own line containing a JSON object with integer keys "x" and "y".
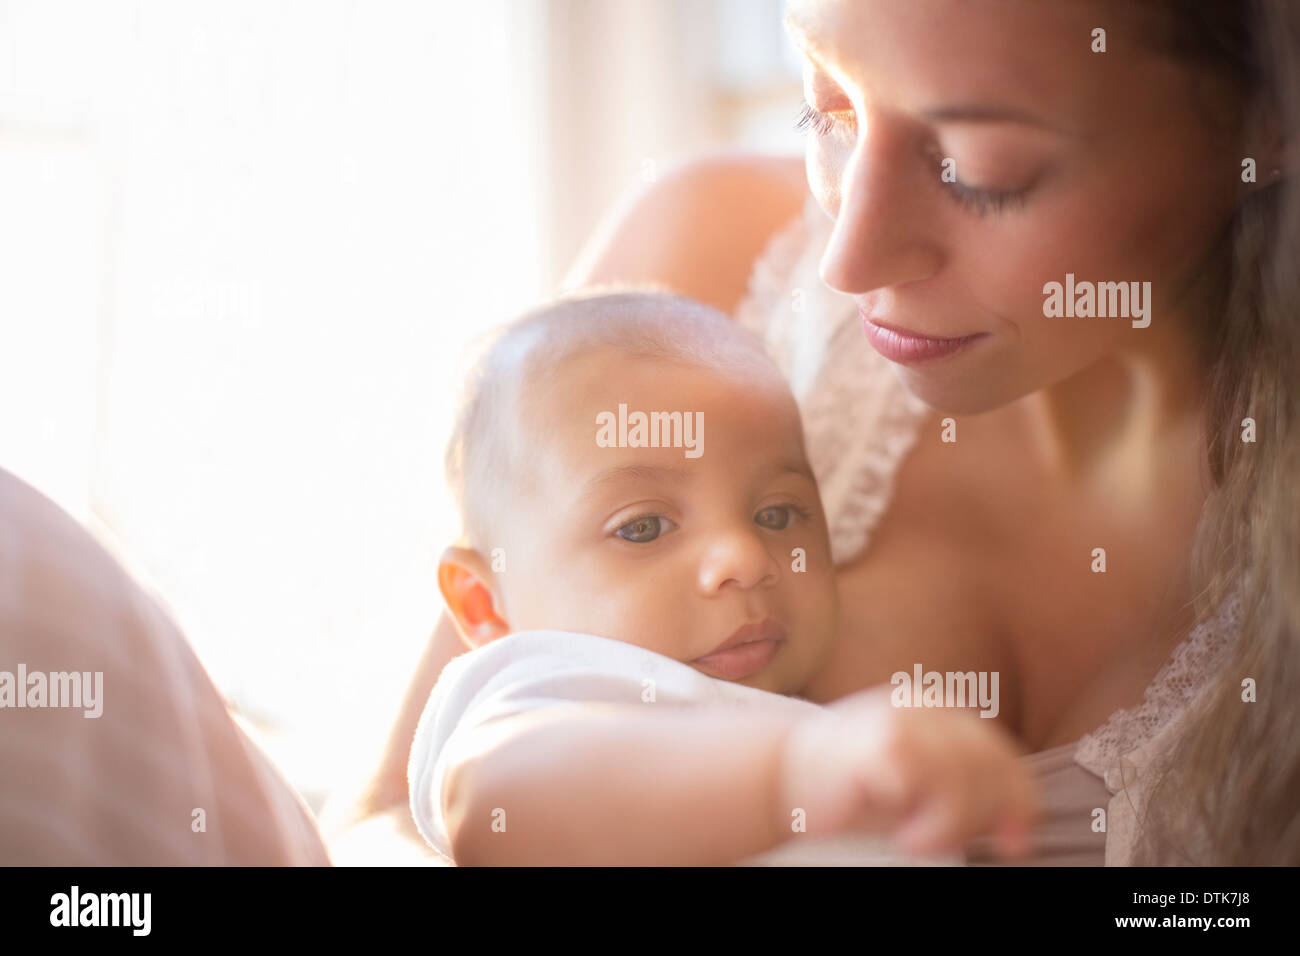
{"x": 1075, "y": 503}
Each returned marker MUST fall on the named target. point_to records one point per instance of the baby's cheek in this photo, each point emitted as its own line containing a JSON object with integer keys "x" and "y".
{"x": 829, "y": 598}
{"x": 816, "y": 599}
{"x": 657, "y": 625}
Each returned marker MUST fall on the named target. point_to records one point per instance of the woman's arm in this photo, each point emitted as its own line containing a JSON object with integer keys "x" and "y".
{"x": 699, "y": 228}
{"x": 386, "y": 790}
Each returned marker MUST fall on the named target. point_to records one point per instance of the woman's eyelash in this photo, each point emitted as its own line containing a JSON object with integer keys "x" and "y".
{"x": 815, "y": 120}
{"x": 986, "y": 201}
{"x": 983, "y": 202}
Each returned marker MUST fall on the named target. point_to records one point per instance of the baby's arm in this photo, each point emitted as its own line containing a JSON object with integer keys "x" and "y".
{"x": 623, "y": 784}
{"x": 592, "y": 784}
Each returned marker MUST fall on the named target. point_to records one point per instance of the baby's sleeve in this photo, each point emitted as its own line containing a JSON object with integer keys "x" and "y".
{"x": 535, "y": 669}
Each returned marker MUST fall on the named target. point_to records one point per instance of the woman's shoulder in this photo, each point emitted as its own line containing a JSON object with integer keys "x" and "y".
{"x": 699, "y": 227}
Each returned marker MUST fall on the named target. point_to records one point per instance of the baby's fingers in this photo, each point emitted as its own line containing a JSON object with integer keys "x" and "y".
{"x": 1012, "y": 839}
{"x": 1000, "y": 802}
{"x": 931, "y": 829}
{"x": 1004, "y": 805}
{"x": 983, "y": 795}
{"x": 1012, "y": 833}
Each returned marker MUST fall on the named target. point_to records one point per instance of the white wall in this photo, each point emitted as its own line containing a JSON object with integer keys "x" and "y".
{"x": 242, "y": 245}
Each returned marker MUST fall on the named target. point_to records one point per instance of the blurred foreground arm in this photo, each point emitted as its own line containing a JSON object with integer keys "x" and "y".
{"x": 161, "y": 775}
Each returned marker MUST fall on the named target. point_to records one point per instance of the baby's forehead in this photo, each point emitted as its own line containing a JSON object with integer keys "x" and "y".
{"x": 607, "y": 407}
{"x": 584, "y": 384}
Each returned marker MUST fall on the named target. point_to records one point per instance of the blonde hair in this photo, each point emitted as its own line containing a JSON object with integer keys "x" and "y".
{"x": 1236, "y": 765}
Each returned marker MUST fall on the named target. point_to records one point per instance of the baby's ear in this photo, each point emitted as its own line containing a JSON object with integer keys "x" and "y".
{"x": 465, "y": 582}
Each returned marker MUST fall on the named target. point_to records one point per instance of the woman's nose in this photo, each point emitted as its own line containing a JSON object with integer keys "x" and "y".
{"x": 883, "y": 224}
{"x": 739, "y": 559}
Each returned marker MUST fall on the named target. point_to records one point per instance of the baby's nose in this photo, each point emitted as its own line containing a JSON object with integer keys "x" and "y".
{"x": 739, "y": 559}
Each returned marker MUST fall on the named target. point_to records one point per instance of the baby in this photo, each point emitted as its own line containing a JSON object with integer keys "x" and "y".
{"x": 644, "y": 576}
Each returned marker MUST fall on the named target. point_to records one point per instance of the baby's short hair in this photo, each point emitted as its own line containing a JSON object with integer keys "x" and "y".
{"x": 488, "y": 458}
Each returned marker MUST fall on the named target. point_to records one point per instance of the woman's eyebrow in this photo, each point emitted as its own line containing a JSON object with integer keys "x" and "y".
{"x": 805, "y": 43}
{"x": 990, "y": 113}
{"x": 957, "y": 113}
{"x": 798, "y": 35}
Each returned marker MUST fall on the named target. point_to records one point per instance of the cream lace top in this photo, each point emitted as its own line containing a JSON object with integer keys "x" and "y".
{"x": 859, "y": 423}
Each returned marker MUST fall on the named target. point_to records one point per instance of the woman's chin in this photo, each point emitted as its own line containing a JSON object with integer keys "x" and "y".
{"x": 952, "y": 394}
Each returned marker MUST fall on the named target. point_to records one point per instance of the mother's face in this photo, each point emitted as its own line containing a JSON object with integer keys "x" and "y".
{"x": 1107, "y": 165}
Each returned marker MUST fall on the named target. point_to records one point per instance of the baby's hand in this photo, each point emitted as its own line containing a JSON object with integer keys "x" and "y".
{"x": 932, "y": 778}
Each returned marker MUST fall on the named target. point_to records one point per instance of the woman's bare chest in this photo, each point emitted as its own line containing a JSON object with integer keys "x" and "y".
{"x": 1070, "y": 599}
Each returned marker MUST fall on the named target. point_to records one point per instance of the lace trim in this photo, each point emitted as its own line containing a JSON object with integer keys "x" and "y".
{"x": 1184, "y": 676}
{"x": 865, "y": 457}
{"x": 811, "y": 332}
{"x": 769, "y": 279}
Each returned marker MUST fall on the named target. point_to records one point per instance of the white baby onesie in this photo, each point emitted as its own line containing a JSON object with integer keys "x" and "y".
{"x": 534, "y": 669}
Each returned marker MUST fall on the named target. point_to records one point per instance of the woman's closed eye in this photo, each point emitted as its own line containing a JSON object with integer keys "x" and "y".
{"x": 982, "y": 202}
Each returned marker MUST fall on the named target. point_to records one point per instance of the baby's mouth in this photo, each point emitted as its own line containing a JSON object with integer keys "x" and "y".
{"x": 746, "y": 652}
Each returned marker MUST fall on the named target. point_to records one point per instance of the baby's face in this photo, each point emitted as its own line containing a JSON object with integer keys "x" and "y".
{"x": 676, "y": 549}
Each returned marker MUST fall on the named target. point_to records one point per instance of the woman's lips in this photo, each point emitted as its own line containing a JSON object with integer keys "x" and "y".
{"x": 909, "y": 349}
{"x": 745, "y": 653}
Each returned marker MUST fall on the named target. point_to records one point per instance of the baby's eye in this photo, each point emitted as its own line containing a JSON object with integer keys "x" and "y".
{"x": 644, "y": 529}
{"x": 775, "y": 517}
